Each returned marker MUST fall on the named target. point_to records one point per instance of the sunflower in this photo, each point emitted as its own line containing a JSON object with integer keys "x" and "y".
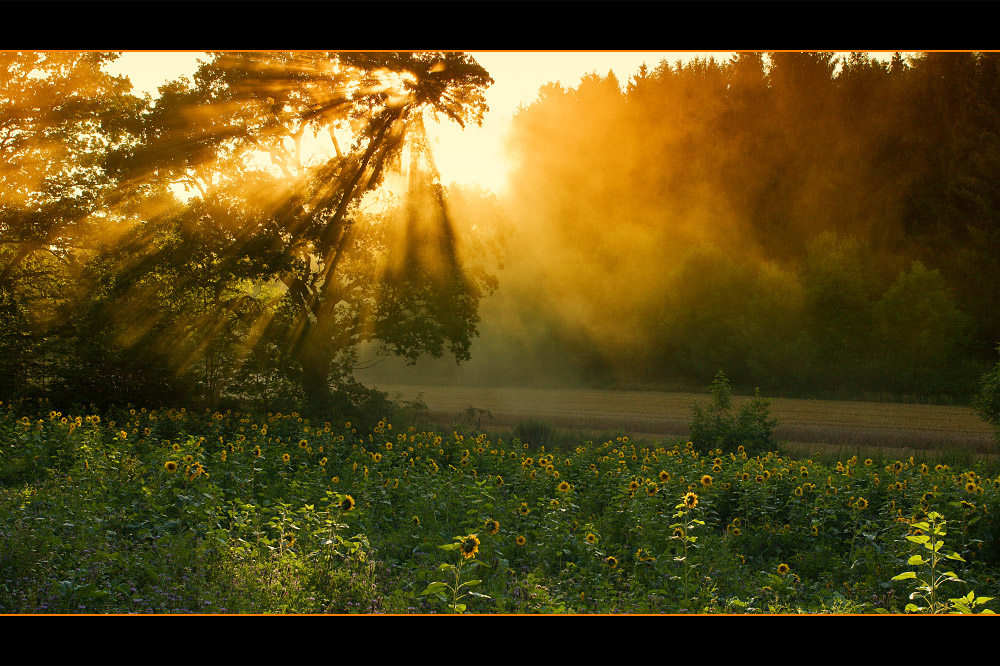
{"x": 633, "y": 485}
{"x": 303, "y": 443}
{"x": 862, "y": 503}
{"x": 170, "y": 466}
{"x": 591, "y": 537}
{"x": 736, "y": 531}
{"x": 759, "y": 478}
{"x": 815, "y": 530}
{"x": 970, "y": 487}
{"x": 679, "y": 532}
{"x": 783, "y": 569}
{"x": 745, "y": 476}
{"x": 652, "y": 489}
{"x": 492, "y": 527}
{"x": 664, "y": 476}
{"x": 176, "y": 447}
{"x": 564, "y": 487}
{"x": 257, "y": 452}
{"x": 706, "y": 480}
{"x": 524, "y": 509}
{"x": 416, "y": 520}
{"x": 690, "y": 500}
{"x": 470, "y": 546}
{"x": 347, "y": 503}
{"x": 520, "y": 541}
{"x": 612, "y": 561}
{"x": 285, "y": 457}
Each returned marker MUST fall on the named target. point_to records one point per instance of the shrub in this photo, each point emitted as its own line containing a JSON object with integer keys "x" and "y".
{"x": 537, "y": 433}
{"x": 986, "y": 403}
{"x": 714, "y": 425}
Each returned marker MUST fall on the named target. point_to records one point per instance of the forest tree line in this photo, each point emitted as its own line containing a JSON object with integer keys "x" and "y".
{"x": 807, "y": 223}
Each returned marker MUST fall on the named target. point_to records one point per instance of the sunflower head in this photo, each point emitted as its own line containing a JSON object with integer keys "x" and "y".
{"x": 783, "y": 569}
{"x": 347, "y": 503}
{"x": 690, "y": 500}
{"x": 664, "y": 476}
{"x": 470, "y": 546}
{"x": 492, "y": 527}
{"x": 170, "y": 466}
{"x": 612, "y": 561}
{"x": 285, "y": 457}
{"x": 706, "y": 480}
{"x": 862, "y": 503}
{"x": 591, "y": 538}
{"x": 520, "y": 541}
{"x": 564, "y": 487}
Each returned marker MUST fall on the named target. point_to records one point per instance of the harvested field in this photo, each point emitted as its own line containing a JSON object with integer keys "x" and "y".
{"x": 654, "y": 414}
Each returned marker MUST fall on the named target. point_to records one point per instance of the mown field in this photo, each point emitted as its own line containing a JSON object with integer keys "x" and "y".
{"x": 140, "y": 511}
{"x": 808, "y": 425}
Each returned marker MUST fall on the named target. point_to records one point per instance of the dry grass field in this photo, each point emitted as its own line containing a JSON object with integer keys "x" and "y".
{"x": 806, "y": 425}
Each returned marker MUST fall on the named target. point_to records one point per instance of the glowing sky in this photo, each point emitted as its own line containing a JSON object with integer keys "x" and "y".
{"x": 474, "y": 155}
{"x": 470, "y": 156}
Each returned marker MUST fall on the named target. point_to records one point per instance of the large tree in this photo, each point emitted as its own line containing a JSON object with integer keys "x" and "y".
{"x": 61, "y": 116}
{"x": 271, "y": 207}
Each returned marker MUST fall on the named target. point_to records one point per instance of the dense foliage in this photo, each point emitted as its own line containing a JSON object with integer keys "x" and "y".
{"x": 225, "y": 240}
{"x": 811, "y": 224}
{"x": 143, "y": 511}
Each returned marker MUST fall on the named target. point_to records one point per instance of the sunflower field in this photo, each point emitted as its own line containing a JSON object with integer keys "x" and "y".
{"x": 169, "y": 511}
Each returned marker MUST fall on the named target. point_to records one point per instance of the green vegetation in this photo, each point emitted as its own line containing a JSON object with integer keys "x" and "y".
{"x": 142, "y": 511}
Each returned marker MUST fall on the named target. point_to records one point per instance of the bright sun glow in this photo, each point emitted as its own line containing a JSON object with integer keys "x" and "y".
{"x": 473, "y": 155}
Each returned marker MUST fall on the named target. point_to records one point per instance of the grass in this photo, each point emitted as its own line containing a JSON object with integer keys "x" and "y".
{"x": 812, "y": 423}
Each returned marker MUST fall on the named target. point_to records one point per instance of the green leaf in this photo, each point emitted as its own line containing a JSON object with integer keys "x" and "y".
{"x": 434, "y": 588}
{"x": 919, "y": 538}
{"x": 913, "y": 608}
{"x": 905, "y": 575}
{"x": 916, "y": 560}
{"x": 472, "y": 583}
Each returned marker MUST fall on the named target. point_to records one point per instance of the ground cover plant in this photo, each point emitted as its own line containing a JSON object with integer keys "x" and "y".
{"x": 174, "y": 511}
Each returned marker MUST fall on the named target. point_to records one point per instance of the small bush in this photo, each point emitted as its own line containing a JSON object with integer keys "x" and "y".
{"x": 715, "y": 426}
{"x": 536, "y": 433}
{"x": 986, "y": 403}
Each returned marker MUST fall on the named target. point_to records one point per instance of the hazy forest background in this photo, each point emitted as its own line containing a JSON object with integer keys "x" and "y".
{"x": 813, "y": 226}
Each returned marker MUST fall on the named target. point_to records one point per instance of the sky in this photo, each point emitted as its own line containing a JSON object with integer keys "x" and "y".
{"x": 474, "y": 155}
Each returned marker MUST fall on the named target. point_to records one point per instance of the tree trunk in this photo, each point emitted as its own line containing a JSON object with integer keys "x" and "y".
{"x": 315, "y": 380}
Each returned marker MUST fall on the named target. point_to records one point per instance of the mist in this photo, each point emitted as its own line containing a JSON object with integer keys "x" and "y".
{"x": 759, "y": 216}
